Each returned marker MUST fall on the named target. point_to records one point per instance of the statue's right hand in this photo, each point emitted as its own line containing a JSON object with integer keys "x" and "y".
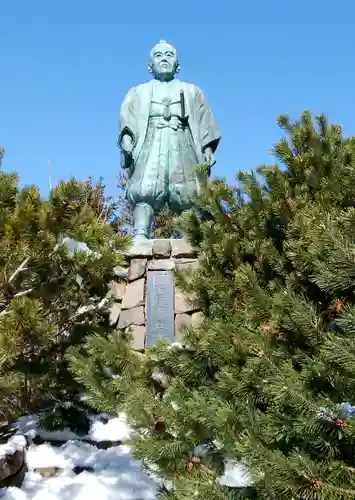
{"x": 127, "y": 144}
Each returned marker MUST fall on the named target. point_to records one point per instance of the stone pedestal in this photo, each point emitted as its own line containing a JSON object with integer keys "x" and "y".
{"x": 133, "y": 298}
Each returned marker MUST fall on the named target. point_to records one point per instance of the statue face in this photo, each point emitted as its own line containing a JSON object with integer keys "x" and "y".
{"x": 163, "y": 61}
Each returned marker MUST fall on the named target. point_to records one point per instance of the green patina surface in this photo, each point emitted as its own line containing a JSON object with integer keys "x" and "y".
{"x": 166, "y": 129}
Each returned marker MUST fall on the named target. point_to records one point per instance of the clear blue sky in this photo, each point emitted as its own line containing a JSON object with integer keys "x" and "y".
{"x": 67, "y": 64}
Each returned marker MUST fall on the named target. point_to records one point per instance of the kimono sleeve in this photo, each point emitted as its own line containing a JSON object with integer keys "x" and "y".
{"x": 209, "y": 134}
{"x": 128, "y": 122}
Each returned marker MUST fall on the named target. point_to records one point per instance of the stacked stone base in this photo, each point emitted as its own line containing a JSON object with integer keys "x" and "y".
{"x": 128, "y": 311}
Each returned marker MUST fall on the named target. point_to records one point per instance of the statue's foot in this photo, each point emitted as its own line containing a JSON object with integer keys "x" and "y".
{"x": 143, "y": 214}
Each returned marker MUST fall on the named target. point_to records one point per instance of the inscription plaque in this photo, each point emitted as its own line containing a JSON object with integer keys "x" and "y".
{"x": 160, "y": 306}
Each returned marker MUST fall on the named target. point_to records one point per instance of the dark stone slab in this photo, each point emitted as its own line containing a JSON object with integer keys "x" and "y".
{"x": 78, "y": 469}
{"x": 16, "y": 479}
{"x": 160, "y": 306}
{"x": 12, "y": 469}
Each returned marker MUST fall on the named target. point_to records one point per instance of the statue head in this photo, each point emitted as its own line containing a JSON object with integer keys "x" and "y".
{"x": 163, "y": 61}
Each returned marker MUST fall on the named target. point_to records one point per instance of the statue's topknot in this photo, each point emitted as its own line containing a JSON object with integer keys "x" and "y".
{"x": 162, "y": 42}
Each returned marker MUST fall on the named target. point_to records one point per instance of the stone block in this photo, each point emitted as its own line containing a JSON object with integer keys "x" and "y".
{"x": 161, "y": 265}
{"x": 134, "y": 295}
{"x": 138, "y": 333}
{"x": 114, "y": 313}
{"x": 181, "y": 248}
{"x": 181, "y": 320}
{"x": 187, "y": 264}
{"x": 161, "y": 248}
{"x": 116, "y": 290}
{"x": 137, "y": 269}
{"x": 182, "y": 304}
{"x": 197, "y": 319}
{"x": 140, "y": 249}
{"x": 130, "y": 317}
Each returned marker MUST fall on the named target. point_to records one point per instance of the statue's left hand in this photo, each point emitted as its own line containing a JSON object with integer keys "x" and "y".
{"x": 127, "y": 148}
{"x": 209, "y": 157}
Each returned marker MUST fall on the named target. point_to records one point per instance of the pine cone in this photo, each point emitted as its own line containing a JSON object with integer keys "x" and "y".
{"x": 190, "y": 466}
{"x": 314, "y": 484}
{"x": 159, "y": 423}
{"x": 271, "y": 329}
{"x": 267, "y": 327}
{"x": 192, "y": 462}
{"x": 337, "y": 307}
{"x": 338, "y": 423}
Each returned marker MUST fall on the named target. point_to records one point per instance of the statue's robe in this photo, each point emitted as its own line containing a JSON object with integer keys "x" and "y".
{"x": 166, "y": 153}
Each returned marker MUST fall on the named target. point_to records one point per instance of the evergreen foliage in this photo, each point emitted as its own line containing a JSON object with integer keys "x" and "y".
{"x": 104, "y": 207}
{"x": 125, "y": 214}
{"x": 57, "y": 257}
{"x": 268, "y": 378}
{"x": 165, "y": 224}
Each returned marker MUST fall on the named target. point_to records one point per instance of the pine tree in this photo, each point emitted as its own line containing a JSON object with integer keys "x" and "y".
{"x": 125, "y": 213}
{"x": 268, "y": 378}
{"x": 57, "y": 257}
{"x": 2, "y": 152}
{"x": 165, "y": 224}
{"x": 104, "y": 207}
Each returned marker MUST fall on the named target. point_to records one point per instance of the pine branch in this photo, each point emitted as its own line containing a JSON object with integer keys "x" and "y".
{"x": 22, "y": 267}
{"x": 23, "y": 293}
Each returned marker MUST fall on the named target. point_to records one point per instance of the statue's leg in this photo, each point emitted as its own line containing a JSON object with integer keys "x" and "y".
{"x": 143, "y": 216}
{"x": 147, "y": 188}
{"x": 182, "y": 178}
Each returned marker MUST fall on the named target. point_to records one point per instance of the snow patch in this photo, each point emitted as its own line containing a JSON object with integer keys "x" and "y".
{"x": 14, "y": 494}
{"x": 75, "y": 246}
{"x": 235, "y": 475}
{"x": 16, "y": 443}
{"x": 115, "y": 429}
{"x": 27, "y": 425}
{"x": 115, "y": 475}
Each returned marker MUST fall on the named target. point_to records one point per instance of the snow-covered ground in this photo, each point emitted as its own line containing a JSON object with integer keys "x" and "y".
{"x": 16, "y": 443}
{"x": 112, "y": 473}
